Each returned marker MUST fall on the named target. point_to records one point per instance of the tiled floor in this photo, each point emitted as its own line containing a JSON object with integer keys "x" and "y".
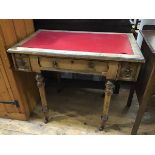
{"x": 77, "y": 110}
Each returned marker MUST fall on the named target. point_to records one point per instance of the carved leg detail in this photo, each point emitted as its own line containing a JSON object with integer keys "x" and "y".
{"x": 41, "y": 86}
{"x": 107, "y": 98}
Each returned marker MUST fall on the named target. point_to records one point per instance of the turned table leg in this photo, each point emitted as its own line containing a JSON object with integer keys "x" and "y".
{"x": 132, "y": 89}
{"x": 41, "y": 86}
{"x": 107, "y": 98}
{"x": 117, "y": 87}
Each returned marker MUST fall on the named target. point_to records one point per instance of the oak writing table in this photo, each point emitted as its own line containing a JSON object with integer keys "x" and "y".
{"x": 115, "y": 56}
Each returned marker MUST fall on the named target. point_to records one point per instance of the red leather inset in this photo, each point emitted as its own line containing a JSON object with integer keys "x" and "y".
{"x": 81, "y": 42}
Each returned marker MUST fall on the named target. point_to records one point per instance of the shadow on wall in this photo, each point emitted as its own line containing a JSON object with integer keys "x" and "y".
{"x": 98, "y": 25}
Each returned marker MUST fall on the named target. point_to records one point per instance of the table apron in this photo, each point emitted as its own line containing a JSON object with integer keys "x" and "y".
{"x": 115, "y": 70}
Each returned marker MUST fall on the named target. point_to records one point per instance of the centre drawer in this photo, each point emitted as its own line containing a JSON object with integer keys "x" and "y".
{"x": 76, "y": 65}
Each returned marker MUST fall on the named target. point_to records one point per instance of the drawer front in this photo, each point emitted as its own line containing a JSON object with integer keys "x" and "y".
{"x": 21, "y": 62}
{"x": 128, "y": 71}
{"x": 74, "y": 65}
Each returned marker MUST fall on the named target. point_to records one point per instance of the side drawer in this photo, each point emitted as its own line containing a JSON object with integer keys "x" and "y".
{"x": 74, "y": 65}
{"x": 128, "y": 71}
{"x": 21, "y": 62}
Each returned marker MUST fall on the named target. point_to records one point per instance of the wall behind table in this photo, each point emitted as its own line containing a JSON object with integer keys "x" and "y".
{"x": 21, "y": 85}
{"x": 98, "y": 25}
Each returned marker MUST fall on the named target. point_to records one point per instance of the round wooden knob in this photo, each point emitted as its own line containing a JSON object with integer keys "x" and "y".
{"x": 55, "y": 63}
{"x": 91, "y": 65}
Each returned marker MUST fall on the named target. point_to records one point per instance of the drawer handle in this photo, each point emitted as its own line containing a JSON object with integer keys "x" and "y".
{"x": 91, "y": 65}
{"x": 55, "y": 63}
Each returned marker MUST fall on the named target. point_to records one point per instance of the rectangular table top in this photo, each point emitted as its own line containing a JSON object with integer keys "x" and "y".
{"x": 81, "y": 42}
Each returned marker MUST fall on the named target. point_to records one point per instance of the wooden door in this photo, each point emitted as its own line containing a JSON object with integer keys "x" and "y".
{"x": 15, "y": 85}
{"x": 5, "y": 92}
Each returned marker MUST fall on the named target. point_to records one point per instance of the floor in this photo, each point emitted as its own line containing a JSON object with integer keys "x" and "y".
{"x": 75, "y": 109}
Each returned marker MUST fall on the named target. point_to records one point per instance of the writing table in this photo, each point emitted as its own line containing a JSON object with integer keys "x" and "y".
{"x": 115, "y": 56}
